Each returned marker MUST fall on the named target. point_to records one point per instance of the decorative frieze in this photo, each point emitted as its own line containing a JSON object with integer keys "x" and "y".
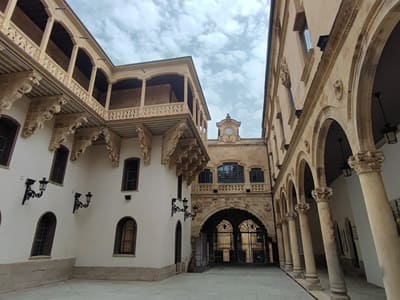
{"x": 83, "y": 139}
{"x": 145, "y": 139}
{"x": 113, "y": 145}
{"x": 284, "y": 75}
{"x": 65, "y": 125}
{"x": 13, "y": 86}
{"x": 40, "y": 110}
{"x": 367, "y": 162}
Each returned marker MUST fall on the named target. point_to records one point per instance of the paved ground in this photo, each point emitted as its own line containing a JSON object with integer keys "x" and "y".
{"x": 222, "y": 283}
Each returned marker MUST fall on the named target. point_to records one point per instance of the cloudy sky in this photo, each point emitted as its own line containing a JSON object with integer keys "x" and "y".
{"x": 226, "y": 38}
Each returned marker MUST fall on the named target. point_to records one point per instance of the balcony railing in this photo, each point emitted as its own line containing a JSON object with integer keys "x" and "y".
{"x": 204, "y": 188}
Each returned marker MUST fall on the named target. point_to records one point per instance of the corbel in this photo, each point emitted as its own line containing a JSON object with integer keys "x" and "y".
{"x": 84, "y": 138}
{"x": 40, "y": 110}
{"x": 170, "y": 141}
{"x": 65, "y": 125}
{"x": 113, "y": 145}
{"x": 145, "y": 140}
{"x": 14, "y": 85}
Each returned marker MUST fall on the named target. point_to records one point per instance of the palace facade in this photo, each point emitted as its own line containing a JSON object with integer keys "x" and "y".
{"x": 330, "y": 123}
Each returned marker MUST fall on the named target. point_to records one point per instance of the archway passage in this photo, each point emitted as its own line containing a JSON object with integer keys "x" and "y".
{"x": 234, "y": 236}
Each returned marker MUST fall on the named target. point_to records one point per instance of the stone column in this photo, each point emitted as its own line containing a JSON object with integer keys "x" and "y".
{"x": 143, "y": 93}
{"x": 108, "y": 97}
{"x": 286, "y": 245}
{"x": 72, "y": 62}
{"x": 8, "y": 12}
{"x": 92, "y": 81}
{"x": 309, "y": 260}
{"x": 185, "y": 89}
{"x": 294, "y": 245}
{"x": 46, "y": 37}
{"x": 279, "y": 239}
{"x": 384, "y": 232}
{"x": 336, "y": 280}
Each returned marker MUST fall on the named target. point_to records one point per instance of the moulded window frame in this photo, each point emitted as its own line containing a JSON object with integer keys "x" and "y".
{"x": 118, "y": 238}
{"x": 123, "y": 184}
{"x": 210, "y": 172}
{"x": 43, "y": 256}
{"x": 263, "y": 174}
{"x": 11, "y": 152}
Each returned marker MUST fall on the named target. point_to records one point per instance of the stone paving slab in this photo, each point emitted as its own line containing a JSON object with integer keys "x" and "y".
{"x": 222, "y": 283}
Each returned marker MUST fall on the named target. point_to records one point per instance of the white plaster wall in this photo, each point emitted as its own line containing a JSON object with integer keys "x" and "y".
{"x": 348, "y": 201}
{"x": 150, "y": 207}
{"x": 32, "y": 159}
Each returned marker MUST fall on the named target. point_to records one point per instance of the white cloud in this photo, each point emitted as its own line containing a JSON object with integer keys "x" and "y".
{"x": 226, "y": 38}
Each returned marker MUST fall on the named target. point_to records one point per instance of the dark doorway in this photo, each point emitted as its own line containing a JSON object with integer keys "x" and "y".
{"x": 178, "y": 243}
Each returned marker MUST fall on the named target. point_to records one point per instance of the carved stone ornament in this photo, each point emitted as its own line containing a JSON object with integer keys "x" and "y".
{"x": 145, "y": 139}
{"x": 338, "y": 89}
{"x": 113, "y": 145}
{"x": 322, "y": 194}
{"x": 302, "y": 207}
{"x": 41, "y": 109}
{"x": 284, "y": 75}
{"x": 291, "y": 216}
{"x": 84, "y": 138}
{"x": 367, "y": 162}
{"x": 13, "y": 86}
{"x": 170, "y": 141}
{"x": 307, "y": 146}
{"x": 65, "y": 125}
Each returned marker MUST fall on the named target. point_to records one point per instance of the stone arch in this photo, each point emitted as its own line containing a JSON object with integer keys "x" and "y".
{"x": 302, "y": 160}
{"x": 380, "y": 22}
{"x": 196, "y": 228}
{"x": 326, "y": 117}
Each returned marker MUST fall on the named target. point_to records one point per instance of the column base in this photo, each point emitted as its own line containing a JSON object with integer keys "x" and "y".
{"x": 288, "y": 267}
{"x": 282, "y": 265}
{"x": 298, "y": 273}
{"x": 335, "y": 296}
{"x": 313, "y": 283}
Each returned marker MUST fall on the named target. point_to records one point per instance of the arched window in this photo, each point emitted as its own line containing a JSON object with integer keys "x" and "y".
{"x": 230, "y": 173}
{"x": 59, "y": 166}
{"x": 44, "y": 235}
{"x": 130, "y": 177}
{"x": 125, "y": 236}
{"x": 8, "y": 135}
{"x": 206, "y": 176}
{"x": 256, "y": 175}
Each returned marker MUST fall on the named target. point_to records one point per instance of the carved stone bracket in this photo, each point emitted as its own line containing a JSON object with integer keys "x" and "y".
{"x": 322, "y": 194}
{"x": 83, "y": 139}
{"x": 145, "y": 139}
{"x": 41, "y": 109}
{"x": 65, "y": 125}
{"x": 367, "y": 162}
{"x": 302, "y": 207}
{"x": 13, "y": 86}
{"x": 291, "y": 216}
{"x": 170, "y": 141}
{"x": 113, "y": 145}
{"x": 285, "y": 76}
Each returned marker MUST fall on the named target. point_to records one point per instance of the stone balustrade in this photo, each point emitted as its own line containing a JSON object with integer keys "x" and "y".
{"x": 204, "y": 188}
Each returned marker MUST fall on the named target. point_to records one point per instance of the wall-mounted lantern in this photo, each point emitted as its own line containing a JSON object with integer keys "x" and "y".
{"x": 78, "y": 204}
{"x": 30, "y": 193}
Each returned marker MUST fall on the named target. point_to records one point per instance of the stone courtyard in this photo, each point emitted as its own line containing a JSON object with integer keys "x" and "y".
{"x": 231, "y": 282}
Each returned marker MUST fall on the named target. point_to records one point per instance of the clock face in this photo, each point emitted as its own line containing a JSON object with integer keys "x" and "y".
{"x": 228, "y": 130}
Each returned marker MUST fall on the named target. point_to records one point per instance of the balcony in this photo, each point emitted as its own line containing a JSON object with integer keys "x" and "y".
{"x": 228, "y": 188}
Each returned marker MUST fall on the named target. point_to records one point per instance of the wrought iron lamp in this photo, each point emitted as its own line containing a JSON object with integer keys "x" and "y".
{"x": 78, "y": 204}
{"x": 186, "y": 213}
{"x": 30, "y": 193}
{"x": 346, "y": 170}
{"x": 389, "y": 131}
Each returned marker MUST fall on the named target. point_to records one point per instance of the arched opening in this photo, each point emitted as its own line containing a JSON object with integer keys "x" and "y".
{"x": 44, "y": 236}
{"x": 60, "y": 46}
{"x": 31, "y": 17}
{"x": 230, "y": 172}
{"x": 234, "y": 236}
{"x": 100, "y": 87}
{"x": 178, "y": 243}
{"x": 165, "y": 89}
{"x": 3, "y": 5}
{"x": 83, "y": 69}
{"x": 126, "y": 93}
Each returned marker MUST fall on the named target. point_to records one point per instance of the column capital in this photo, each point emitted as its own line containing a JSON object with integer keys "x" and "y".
{"x": 367, "y": 162}
{"x": 290, "y": 216}
{"x": 322, "y": 194}
{"x": 279, "y": 224}
{"x": 302, "y": 207}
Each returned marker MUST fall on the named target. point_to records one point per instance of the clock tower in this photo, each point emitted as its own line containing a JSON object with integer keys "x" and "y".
{"x": 228, "y": 130}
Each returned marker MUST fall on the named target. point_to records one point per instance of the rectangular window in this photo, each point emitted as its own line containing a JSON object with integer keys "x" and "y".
{"x": 206, "y": 176}
{"x": 256, "y": 175}
{"x": 59, "y": 166}
{"x": 131, "y": 174}
{"x": 306, "y": 38}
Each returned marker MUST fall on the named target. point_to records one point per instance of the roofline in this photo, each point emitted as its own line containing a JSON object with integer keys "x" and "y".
{"x": 271, "y": 22}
